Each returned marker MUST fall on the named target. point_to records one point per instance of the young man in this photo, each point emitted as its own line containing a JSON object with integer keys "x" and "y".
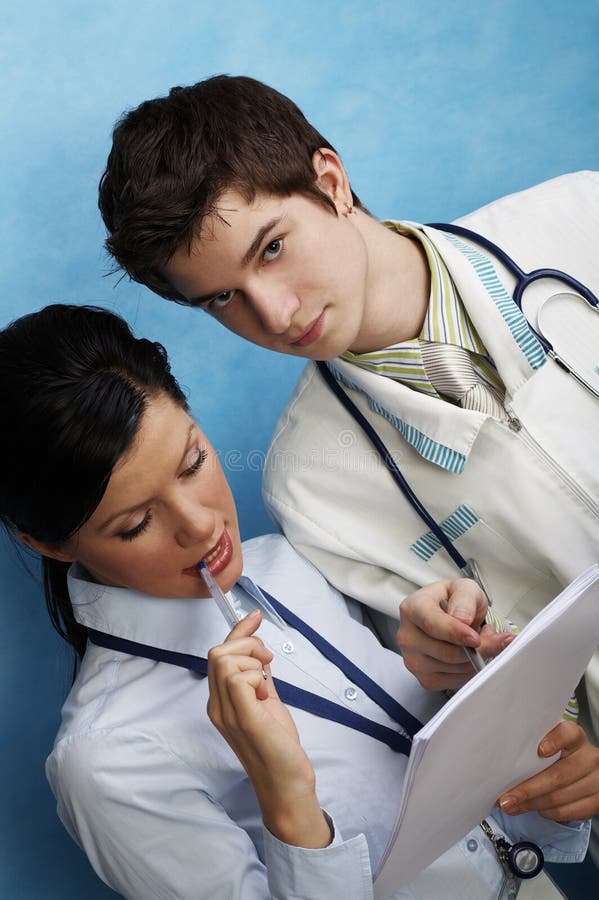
{"x": 223, "y": 196}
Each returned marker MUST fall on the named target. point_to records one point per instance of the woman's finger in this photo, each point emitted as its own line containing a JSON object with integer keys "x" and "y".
{"x": 246, "y": 626}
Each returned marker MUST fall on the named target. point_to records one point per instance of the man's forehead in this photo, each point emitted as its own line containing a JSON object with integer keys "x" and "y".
{"x": 235, "y": 219}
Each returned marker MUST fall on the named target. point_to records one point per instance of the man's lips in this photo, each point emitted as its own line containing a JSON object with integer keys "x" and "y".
{"x": 312, "y": 332}
{"x": 217, "y": 558}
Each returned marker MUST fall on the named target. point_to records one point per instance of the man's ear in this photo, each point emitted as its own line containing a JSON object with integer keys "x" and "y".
{"x": 332, "y": 179}
{"x": 53, "y": 551}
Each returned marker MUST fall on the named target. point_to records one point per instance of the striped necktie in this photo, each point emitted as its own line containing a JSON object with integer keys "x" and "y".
{"x": 451, "y": 372}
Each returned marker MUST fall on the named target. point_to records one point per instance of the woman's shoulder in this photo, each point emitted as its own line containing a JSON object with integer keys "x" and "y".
{"x": 271, "y": 558}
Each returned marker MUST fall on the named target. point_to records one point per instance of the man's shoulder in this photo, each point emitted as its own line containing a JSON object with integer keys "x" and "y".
{"x": 574, "y": 191}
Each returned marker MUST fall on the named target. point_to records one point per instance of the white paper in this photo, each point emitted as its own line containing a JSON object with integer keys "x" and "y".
{"x": 484, "y": 740}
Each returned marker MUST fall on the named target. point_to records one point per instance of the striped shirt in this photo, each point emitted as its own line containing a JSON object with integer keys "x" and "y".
{"x": 446, "y": 322}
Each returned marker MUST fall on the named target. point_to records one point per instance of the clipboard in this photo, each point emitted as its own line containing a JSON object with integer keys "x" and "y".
{"x": 484, "y": 740}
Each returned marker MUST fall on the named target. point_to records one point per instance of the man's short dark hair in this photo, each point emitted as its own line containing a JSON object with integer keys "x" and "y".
{"x": 172, "y": 158}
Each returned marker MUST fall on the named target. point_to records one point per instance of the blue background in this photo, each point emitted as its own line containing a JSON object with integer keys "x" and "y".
{"x": 436, "y": 108}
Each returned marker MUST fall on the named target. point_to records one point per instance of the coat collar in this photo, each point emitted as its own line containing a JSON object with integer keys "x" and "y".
{"x": 442, "y": 432}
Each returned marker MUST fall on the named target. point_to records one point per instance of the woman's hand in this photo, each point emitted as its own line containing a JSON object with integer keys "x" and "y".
{"x": 246, "y": 709}
{"x": 436, "y": 623}
{"x": 566, "y": 790}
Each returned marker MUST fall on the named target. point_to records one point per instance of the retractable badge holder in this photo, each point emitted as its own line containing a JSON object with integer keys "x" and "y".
{"x": 519, "y": 861}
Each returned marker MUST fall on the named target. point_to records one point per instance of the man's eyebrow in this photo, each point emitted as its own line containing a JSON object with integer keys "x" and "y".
{"x": 260, "y": 235}
{"x": 246, "y": 259}
{"x": 130, "y": 509}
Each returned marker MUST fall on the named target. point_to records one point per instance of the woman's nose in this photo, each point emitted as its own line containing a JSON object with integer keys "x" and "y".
{"x": 193, "y": 523}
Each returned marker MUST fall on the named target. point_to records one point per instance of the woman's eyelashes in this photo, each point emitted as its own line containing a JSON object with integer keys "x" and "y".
{"x": 138, "y": 529}
{"x": 198, "y": 459}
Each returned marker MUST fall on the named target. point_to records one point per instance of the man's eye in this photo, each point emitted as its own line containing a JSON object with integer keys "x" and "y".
{"x": 221, "y": 300}
{"x": 273, "y": 249}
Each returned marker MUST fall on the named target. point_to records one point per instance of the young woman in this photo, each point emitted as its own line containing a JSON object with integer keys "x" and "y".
{"x": 105, "y": 473}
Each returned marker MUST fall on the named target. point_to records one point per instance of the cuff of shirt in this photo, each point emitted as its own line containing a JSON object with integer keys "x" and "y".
{"x": 561, "y": 842}
{"x": 336, "y": 872}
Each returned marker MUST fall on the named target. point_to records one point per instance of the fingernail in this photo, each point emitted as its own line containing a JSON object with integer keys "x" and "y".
{"x": 507, "y": 640}
{"x": 463, "y": 614}
{"x": 547, "y": 748}
{"x": 508, "y": 804}
{"x": 254, "y": 614}
{"x": 471, "y": 640}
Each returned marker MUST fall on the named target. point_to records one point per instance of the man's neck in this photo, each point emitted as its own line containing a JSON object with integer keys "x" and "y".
{"x": 398, "y": 287}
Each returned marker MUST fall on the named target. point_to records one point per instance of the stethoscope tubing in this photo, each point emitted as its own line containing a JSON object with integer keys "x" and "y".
{"x": 524, "y": 279}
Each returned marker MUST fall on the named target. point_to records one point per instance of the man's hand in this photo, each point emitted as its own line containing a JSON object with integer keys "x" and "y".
{"x": 436, "y": 623}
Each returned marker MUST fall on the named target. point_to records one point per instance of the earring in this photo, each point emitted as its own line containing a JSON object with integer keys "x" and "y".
{"x": 349, "y": 208}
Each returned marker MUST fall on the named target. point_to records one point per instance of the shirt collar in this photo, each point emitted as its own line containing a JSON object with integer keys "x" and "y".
{"x": 183, "y": 625}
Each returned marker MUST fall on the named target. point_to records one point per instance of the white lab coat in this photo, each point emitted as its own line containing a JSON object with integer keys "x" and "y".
{"x": 533, "y": 494}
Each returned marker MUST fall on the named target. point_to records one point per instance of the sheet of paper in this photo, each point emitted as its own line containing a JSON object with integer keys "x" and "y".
{"x": 484, "y": 740}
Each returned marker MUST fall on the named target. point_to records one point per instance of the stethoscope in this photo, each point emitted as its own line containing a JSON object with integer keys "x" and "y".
{"x": 468, "y": 568}
{"x": 523, "y": 280}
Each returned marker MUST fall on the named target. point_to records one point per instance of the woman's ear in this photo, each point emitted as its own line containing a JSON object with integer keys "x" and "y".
{"x": 53, "y": 551}
{"x": 332, "y": 179}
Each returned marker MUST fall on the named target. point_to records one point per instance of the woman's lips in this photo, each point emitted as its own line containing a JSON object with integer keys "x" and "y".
{"x": 313, "y": 333}
{"x": 217, "y": 558}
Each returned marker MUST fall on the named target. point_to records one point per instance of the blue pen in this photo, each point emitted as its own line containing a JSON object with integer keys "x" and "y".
{"x": 218, "y": 595}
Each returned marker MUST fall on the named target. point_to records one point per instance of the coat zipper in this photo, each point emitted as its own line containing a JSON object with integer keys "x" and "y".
{"x": 515, "y": 425}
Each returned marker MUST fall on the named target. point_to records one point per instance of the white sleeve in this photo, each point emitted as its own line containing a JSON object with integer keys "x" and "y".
{"x": 152, "y": 832}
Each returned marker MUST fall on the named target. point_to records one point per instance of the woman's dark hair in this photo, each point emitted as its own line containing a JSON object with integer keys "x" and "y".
{"x": 172, "y": 157}
{"x": 74, "y": 387}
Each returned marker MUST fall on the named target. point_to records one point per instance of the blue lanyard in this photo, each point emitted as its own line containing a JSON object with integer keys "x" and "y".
{"x": 289, "y": 693}
{"x": 394, "y": 470}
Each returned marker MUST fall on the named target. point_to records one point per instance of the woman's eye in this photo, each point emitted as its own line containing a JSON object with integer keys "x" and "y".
{"x": 221, "y": 300}
{"x": 273, "y": 249}
{"x": 132, "y": 533}
{"x": 198, "y": 461}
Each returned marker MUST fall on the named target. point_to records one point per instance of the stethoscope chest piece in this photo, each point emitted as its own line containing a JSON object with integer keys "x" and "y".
{"x": 571, "y": 326}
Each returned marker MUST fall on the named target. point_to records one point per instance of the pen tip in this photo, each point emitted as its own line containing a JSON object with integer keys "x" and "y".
{"x": 201, "y": 565}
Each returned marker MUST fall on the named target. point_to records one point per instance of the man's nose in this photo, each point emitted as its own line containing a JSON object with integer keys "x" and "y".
{"x": 275, "y": 306}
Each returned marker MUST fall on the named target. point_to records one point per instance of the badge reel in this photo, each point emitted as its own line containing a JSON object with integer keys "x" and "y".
{"x": 519, "y": 861}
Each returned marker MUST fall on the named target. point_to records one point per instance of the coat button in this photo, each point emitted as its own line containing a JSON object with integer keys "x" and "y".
{"x": 287, "y": 647}
{"x": 350, "y": 693}
{"x": 472, "y": 845}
